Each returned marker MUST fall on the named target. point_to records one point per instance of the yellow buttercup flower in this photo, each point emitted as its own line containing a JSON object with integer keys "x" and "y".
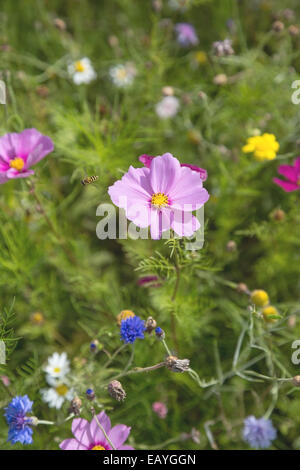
{"x": 263, "y": 147}
{"x": 259, "y": 298}
{"x": 200, "y": 57}
{"x": 269, "y": 312}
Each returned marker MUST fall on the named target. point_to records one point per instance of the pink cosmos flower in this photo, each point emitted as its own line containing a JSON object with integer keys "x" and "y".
{"x": 147, "y": 159}
{"x": 18, "y": 152}
{"x": 88, "y": 436}
{"x": 160, "y": 409}
{"x": 162, "y": 196}
{"x": 292, "y": 174}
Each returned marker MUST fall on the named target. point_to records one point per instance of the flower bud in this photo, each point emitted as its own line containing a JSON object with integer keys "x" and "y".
{"x": 90, "y": 394}
{"x": 296, "y": 380}
{"x": 33, "y": 420}
{"x": 270, "y": 314}
{"x": 220, "y": 79}
{"x": 168, "y": 91}
{"x": 259, "y": 298}
{"x": 76, "y": 404}
{"x": 242, "y": 288}
{"x": 278, "y": 26}
{"x": 116, "y": 390}
{"x": 231, "y": 246}
{"x": 60, "y": 24}
{"x": 177, "y": 365}
{"x": 150, "y": 325}
{"x": 278, "y": 215}
{"x": 94, "y": 346}
{"x": 160, "y": 334}
{"x": 293, "y": 30}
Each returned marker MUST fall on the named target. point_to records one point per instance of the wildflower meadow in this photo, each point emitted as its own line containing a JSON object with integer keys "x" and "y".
{"x": 149, "y": 225}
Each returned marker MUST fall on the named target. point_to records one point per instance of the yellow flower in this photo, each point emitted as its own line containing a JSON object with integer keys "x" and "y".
{"x": 263, "y": 147}
{"x": 37, "y": 318}
{"x": 123, "y": 315}
{"x": 268, "y": 312}
{"x": 200, "y": 57}
{"x": 259, "y": 298}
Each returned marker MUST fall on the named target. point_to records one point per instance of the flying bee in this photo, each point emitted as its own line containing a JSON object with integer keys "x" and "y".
{"x": 89, "y": 179}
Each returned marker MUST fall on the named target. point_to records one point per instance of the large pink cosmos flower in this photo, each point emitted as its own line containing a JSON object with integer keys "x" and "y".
{"x": 88, "y": 436}
{"x": 292, "y": 174}
{"x": 162, "y": 196}
{"x": 18, "y": 152}
{"x": 147, "y": 159}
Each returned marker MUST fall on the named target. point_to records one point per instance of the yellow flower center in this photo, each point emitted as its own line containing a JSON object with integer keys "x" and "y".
{"x": 201, "y": 57}
{"x": 298, "y": 182}
{"x": 17, "y": 164}
{"x": 79, "y": 67}
{"x": 61, "y": 389}
{"x": 56, "y": 370}
{"x": 159, "y": 200}
{"x": 97, "y": 448}
{"x": 121, "y": 74}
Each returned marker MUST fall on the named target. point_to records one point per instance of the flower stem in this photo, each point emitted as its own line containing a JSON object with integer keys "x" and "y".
{"x": 68, "y": 253}
{"x": 102, "y": 429}
{"x": 40, "y": 421}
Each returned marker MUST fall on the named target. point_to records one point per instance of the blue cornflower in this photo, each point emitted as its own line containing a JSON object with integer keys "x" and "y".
{"x": 259, "y": 433}
{"x": 19, "y": 424}
{"x": 131, "y": 329}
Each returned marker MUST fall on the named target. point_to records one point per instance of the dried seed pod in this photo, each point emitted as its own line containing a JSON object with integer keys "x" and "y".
{"x": 116, "y": 390}
{"x": 76, "y": 404}
{"x": 177, "y": 365}
{"x": 150, "y": 325}
{"x": 296, "y": 380}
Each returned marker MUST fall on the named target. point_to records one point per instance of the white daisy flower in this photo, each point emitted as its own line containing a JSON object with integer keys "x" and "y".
{"x": 58, "y": 366}
{"x": 57, "y": 394}
{"x": 82, "y": 71}
{"x": 167, "y": 107}
{"x": 122, "y": 75}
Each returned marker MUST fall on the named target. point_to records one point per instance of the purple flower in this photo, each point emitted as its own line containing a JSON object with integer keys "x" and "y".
{"x": 147, "y": 159}
{"x": 18, "y": 152}
{"x": 162, "y": 196}
{"x": 292, "y": 174}
{"x": 19, "y": 424}
{"x": 186, "y": 34}
{"x": 89, "y": 436}
{"x": 259, "y": 433}
{"x": 132, "y": 328}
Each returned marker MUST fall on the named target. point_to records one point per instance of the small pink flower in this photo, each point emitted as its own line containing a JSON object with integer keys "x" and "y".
{"x": 88, "y": 436}
{"x": 162, "y": 196}
{"x": 186, "y": 34}
{"x": 292, "y": 174}
{"x": 149, "y": 281}
{"x": 160, "y": 409}
{"x": 147, "y": 159}
{"x": 18, "y": 152}
{"x": 5, "y": 380}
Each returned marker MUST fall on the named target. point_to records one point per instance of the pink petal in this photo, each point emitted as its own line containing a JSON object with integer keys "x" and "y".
{"x": 119, "y": 434}
{"x": 146, "y": 160}
{"x": 289, "y": 172}
{"x": 164, "y": 173}
{"x": 201, "y": 171}
{"x": 42, "y": 148}
{"x": 288, "y": 187}
{"x": 126, "y": 448}
{"x": 71, "y": 444}
{"x": 188, "y": 191}
{"x": 160, "y": 221}
{"x": 132, "y": 188}
{"x": 7, "y": 150}
{"x": 139, "y": 214}
{"x": 81, "y": 430}
{"x": 185, "y": 224}
{"x": 13, "y": 174}
{"x": 96, "y": 432}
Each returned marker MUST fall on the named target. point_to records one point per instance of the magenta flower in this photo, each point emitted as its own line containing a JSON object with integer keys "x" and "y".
{"x": 147, "y": 159}
{"x": 18, "y": 152}
{"x": 149, "y": 281}
{"x": 292, "y": 174}
{"x": 89, "y": 436}
{"x": 162, "y": 196}
{"x": 160, "y": 409}
{"x": 186, "y": 34}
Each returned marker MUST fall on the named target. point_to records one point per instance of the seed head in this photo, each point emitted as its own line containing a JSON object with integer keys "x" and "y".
{"x": 116, "y": 390}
